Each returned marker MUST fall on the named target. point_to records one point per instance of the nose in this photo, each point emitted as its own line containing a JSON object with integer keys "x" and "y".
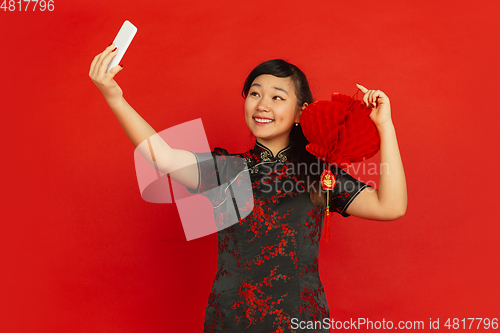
{"x": 263, "y": 106}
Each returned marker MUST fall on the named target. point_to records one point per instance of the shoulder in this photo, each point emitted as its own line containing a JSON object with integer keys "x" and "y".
{"x": 219, "y": 151}
{"x": 219, "y": 154}
{"x": 236, "y": 161}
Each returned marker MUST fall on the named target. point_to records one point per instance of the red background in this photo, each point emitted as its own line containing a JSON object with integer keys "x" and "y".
{"x": 80, "y": 251}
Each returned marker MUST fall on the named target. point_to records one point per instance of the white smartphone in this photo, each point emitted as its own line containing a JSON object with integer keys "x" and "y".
{"x": 122, "y": 41}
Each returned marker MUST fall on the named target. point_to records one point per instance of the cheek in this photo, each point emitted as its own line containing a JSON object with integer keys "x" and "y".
{"x": 287, "y": 115}
{"x": 249, "y": 107}
{"x": 247, "y": 111}
{"x": 246, "y": 105}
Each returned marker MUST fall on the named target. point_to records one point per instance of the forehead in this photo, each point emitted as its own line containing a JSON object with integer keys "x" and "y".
{"x": 267, "y": 81}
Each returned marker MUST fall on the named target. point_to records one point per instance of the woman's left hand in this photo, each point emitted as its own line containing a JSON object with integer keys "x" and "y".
{"x": 380, "y": 104}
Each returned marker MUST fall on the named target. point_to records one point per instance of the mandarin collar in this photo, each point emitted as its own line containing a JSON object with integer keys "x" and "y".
{"x": 261, "y": 154}
{"x": 266, "y": 153}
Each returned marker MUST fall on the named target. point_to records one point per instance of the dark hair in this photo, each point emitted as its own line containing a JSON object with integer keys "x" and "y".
{"x": 298, "y": 153}
{"x": 281, "y": 68}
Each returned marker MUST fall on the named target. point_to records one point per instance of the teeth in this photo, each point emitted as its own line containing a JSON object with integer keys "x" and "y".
{"x": 263, "y": 120}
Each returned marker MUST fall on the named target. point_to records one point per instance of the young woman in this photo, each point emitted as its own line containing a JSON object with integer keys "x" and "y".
{"x": 267, "y": 278}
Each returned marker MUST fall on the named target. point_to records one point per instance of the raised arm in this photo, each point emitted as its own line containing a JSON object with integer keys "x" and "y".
{"x": 390, "y": 200}
{"x": 179, "y": 164}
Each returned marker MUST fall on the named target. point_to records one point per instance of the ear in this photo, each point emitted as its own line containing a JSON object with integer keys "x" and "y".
{"x": 302, "y": 108}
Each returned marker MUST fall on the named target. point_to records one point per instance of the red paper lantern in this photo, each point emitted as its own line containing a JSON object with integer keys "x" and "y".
{"x": 340, "y": 132}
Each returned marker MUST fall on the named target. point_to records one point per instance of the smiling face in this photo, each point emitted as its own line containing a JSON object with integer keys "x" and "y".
{"x": 271, "y": 110}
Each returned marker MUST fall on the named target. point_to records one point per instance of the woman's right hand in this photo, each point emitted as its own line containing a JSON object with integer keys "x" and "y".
{"x": 105, "y": 81}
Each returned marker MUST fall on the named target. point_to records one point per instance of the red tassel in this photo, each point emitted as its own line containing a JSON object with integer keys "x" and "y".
{"x": 327, "y": 225}
{"x": 327, "y": 182}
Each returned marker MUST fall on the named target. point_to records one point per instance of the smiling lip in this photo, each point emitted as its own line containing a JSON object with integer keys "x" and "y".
{"x": 263, "y": 121}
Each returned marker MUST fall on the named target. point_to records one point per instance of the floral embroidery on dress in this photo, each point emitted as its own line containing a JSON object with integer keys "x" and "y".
{"x": 268, "y": 267}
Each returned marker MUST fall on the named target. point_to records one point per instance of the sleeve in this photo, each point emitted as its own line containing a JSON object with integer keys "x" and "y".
{"x": 225, "y": 181}
{"x": 210, "y": 169}
{"x": 345, "y": 190}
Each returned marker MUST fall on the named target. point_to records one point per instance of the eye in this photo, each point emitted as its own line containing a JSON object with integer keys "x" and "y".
{"x": 253, "y": 93}
{"x": 279, "y": 98}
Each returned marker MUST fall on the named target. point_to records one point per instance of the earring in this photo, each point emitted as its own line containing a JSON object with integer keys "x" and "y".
{"x": 296, "y": 124}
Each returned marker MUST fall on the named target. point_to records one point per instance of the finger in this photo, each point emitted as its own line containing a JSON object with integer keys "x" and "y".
{"x": 115, "y": 70}
{"x": 92, "y": 65}
{"x": 102, "y": 64}
{"x": 366, "y": 98}
{"x": 376, "y": 95}
{"x": 365, "y": 92}
{"x": 360, "y": 87}
{"x": 381, "y": 94}
{"x": 106, "y": 60}
{"x": 372, "y": 98}
{"x": 105, "y": 52}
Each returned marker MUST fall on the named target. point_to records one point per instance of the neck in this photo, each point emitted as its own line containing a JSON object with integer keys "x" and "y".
{"x": 274, "y": 145}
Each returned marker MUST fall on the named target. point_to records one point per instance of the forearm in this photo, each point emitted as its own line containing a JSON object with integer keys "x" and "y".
{"x": 180, "y": 164}
{"x": 135, "y": 127}
{"x": 392, "y": 192}
{"x": 144, "y": 138}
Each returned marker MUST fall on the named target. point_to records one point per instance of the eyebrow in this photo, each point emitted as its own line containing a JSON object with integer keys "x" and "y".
{"x": 277, "y": 88}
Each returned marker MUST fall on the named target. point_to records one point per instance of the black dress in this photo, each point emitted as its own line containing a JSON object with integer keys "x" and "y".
{"x": 267, "y": 278}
